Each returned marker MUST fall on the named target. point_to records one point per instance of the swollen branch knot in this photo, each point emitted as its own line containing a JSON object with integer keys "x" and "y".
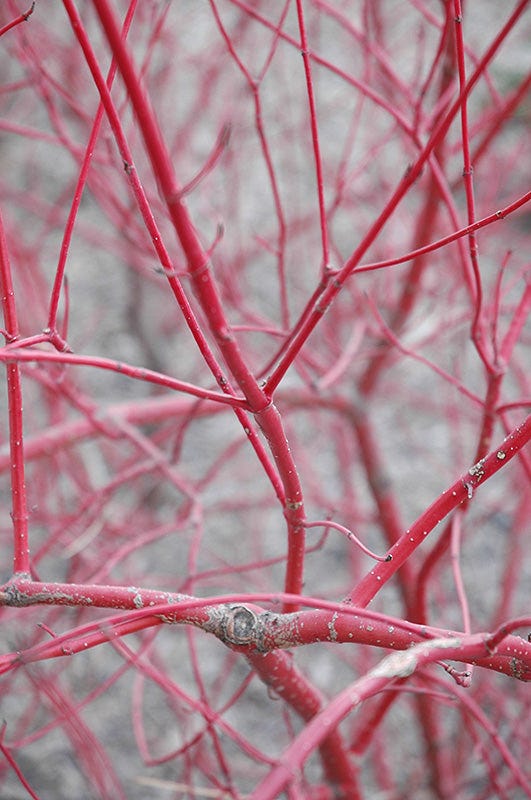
{"x": 239, "y": 625}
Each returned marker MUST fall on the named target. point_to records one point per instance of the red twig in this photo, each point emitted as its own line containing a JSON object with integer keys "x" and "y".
{"x": 461, "y": 490}
{"x": 13, "y": 764}
{"x": 19, "y": 513}
{"x": 21, "y": 18}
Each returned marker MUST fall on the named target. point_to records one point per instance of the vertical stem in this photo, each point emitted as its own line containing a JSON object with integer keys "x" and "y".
{"x": 436, "y": 758}
{"x": 162, "y": 253}
{"x": 197, "y": 258}
{"x": 140, "y": 196}
{"x": 278, "y": 671}
{"x": 198, "y": 262}
{"x": 254, "y": 86}
{"x": 492, "y": 397}
{"x": 419, "y": 612}
{"x": 478, "y": 335}
{"x": 315, "y": 136}
{"x": 19, "y": 512}
{"x": 270, "y": 423}
{"x": 78, "y": 191}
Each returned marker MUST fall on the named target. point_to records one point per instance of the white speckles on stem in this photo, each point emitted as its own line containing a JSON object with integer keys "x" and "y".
{"x": 331, "y": 628}
{"x": 137, "y": 597}
{"x": 477, "y": 471}
{"x": 294, "y": 505}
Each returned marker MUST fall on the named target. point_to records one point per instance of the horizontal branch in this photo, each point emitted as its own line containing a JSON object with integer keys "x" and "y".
{"x": 239, "y": 623}
{"x": 15, "y": 354}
